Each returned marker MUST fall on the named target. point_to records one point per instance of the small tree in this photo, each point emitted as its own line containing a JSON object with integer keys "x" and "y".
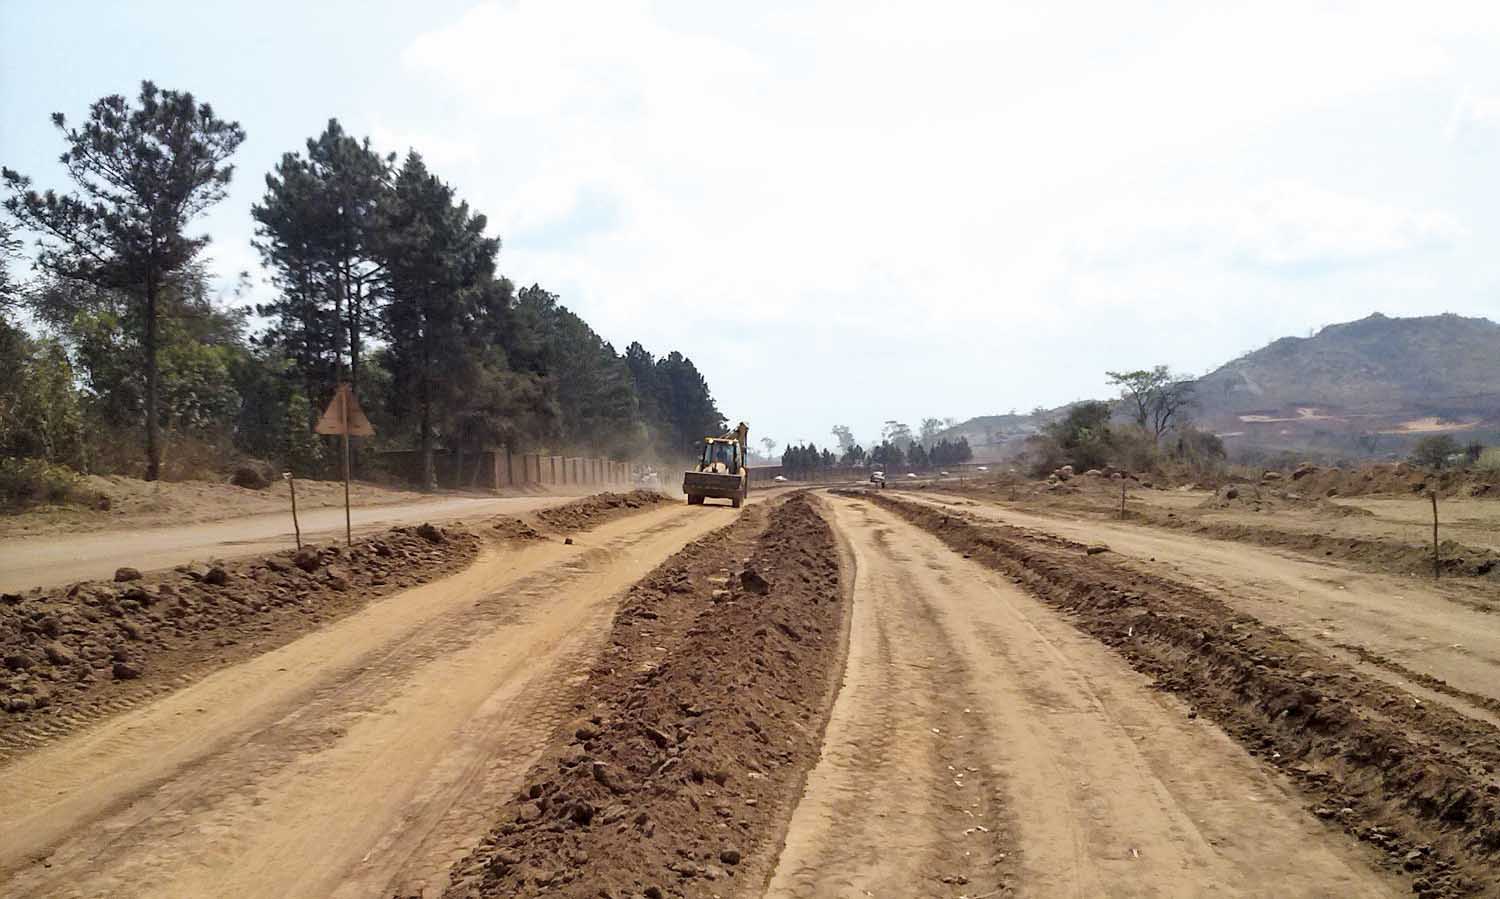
{"x": 1433, "y": 450}
{"x": 143, "y": 174}
{"x": 1155, "y": 397}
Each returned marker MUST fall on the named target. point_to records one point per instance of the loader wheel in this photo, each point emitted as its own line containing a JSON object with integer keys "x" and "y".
{"x": 695, "y": 500}
{"x": 736, "y": 502}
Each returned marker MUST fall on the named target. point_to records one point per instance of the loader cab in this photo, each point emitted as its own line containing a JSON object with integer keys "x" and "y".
{"x": 720, "y": 455}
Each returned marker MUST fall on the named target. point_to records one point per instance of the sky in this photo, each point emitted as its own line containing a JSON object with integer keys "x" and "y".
{"x": 847, "y": 213}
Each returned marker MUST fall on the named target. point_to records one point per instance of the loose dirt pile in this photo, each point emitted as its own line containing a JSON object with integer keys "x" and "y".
{"x": 76, "y": 653}
{"x": 1455, "y": 559}
{"x": 1416, "y": 780}
{"x": 701, "y": 722}
{"x": 1398, "y": 478}
{"x": 592, "y": 511}
{"x": 514, "y": 529}
{"x": 1247, "y": 498}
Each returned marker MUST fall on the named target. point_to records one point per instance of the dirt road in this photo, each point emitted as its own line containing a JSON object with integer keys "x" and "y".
{"x": 1390, "y": 626}
{"x": 46, "y": 561}
{"x": 983, "y": 746}
{"x": 361, "y": 759}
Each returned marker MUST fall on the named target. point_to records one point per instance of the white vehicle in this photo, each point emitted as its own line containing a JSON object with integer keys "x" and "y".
{"x": 984, "y": 468}
{"x": 912, "y": 475}
{"x": 877, "y": 477}
{"x": 779, "y": 478}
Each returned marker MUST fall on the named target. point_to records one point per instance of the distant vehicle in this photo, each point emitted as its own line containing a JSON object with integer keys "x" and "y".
{"x": 877, "y": 478}
{"x": 984, "y": 468}
{"x": 911, "y": 474}
{"x": 780, "y": 477}
{"x": 943, "y": 473}
{"x": 649, "y": 479}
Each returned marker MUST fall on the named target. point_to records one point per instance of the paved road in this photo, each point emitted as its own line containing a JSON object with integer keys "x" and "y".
{"x": 47, "y": 561}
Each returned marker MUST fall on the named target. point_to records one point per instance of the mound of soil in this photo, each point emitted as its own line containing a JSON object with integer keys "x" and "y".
{"x": 592, "y": 511}
{"x": 701, "y": 722}
{"x": 514, "y": 529}
{"x": 1391, "y": 556}
{"x": 1247, "y": 498}
{"x": 1415, "y": 780}
{"x": 1398, "y": 478}
{"x": 75, "y": 653}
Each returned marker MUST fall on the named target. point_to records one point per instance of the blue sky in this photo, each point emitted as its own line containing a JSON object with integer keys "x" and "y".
{"x": 849, "y": 212}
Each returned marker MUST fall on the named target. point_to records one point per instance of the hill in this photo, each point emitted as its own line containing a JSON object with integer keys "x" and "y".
{"x": 1366, "y": 387}
{"x": 1374, "y": 385}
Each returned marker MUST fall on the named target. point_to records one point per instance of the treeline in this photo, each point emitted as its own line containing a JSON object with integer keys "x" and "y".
{"x": 807, "y": 460}
{"x": 384, "y": 278}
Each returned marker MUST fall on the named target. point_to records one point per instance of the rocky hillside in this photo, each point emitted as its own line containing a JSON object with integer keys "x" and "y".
{"x": 1374, "y": 384}
{"x": 1364, "y": 388}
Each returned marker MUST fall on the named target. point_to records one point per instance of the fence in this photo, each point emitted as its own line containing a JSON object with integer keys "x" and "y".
{"x": 498, "y": 469}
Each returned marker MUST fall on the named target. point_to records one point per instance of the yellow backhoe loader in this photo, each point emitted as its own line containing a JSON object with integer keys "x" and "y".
{"x": 722, "y": 471}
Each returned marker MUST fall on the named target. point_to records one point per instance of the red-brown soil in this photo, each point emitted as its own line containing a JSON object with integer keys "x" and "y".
{"x": 76, "y": 653}
{"x": 1415, "y": 780}
{"x": 592, "y": 511}
{"x": 700, "y": 723}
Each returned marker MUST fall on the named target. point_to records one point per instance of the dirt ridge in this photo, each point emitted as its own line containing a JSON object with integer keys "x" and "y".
{"x": 594, "y": 510}
{"x": 700, "y": 724}
{"x": 1417, "y": 781}
{"x": 77, "y": 653}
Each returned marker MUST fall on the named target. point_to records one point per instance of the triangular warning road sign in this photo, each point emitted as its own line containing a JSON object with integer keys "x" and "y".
{"x": 343, "y": 416}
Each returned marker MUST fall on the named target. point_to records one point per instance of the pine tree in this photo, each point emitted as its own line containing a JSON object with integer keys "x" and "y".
{"x": 144, "y": 173}
{"x": 438, "y": 262}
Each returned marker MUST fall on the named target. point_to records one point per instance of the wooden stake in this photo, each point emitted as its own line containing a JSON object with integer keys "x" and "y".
{"x": 1122, "y": 499}
{"x": 291, "y": 483}
{"x": 1437, "y": 567}
{"x": 348, "y": 529}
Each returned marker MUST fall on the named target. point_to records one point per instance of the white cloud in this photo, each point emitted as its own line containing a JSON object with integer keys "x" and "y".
{"x": 924, "y": 176}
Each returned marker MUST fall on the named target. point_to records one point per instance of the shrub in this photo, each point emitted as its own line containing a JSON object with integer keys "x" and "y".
{"x": 31, "y": 482}
{"x": 1489, "y": 459}
{"x": 1433, "y": 450}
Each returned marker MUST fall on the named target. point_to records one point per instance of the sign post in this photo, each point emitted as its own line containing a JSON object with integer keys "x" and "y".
{"x": 292, "y": 485}
{"x": 344, "y": 418}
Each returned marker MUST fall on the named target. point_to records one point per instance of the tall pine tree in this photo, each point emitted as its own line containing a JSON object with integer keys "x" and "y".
{"x": 437, "y": 263}
{"x": 143, "y": 174}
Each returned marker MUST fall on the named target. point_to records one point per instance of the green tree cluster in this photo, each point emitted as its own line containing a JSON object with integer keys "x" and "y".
{"x": 383, "y": 276}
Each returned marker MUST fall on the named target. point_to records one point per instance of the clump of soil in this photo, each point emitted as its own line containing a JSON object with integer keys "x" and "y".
{"x": 701, "y": 722}
{"x": 1249, "y": 498}
{"x": 1415, "y": 780}
{"x": 1395, "y": 478}
{"x": 514, "y": 529}
{"x": 1455, "y": 559}
{"x": 75, "y": 653}
{"x": 592, "y": 511}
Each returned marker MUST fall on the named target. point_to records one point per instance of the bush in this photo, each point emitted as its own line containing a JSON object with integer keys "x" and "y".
{"x": 1489, "y": 459}
{"x": 1434, "y": 450}
{"x": 32, "y": 482}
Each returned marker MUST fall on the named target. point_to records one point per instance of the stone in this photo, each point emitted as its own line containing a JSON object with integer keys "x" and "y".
{"x": 730, "y": 856}
{"x": 58, "y": 654}
{"x": 751, "y": 581}
{"x": 127, "y": 574}
{"x": 126, "y": 670}
{"x": 307, "y": 558}
{"x": 217, "y": 576}
{"x": 252, "y": 476}
{"x": 1095, "y": 549}
{"x": 431, "y": 533}
{"x": 18, "y": 661}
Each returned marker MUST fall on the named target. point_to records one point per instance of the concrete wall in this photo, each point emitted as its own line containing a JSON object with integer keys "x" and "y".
{"x": 497, "y": 469}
